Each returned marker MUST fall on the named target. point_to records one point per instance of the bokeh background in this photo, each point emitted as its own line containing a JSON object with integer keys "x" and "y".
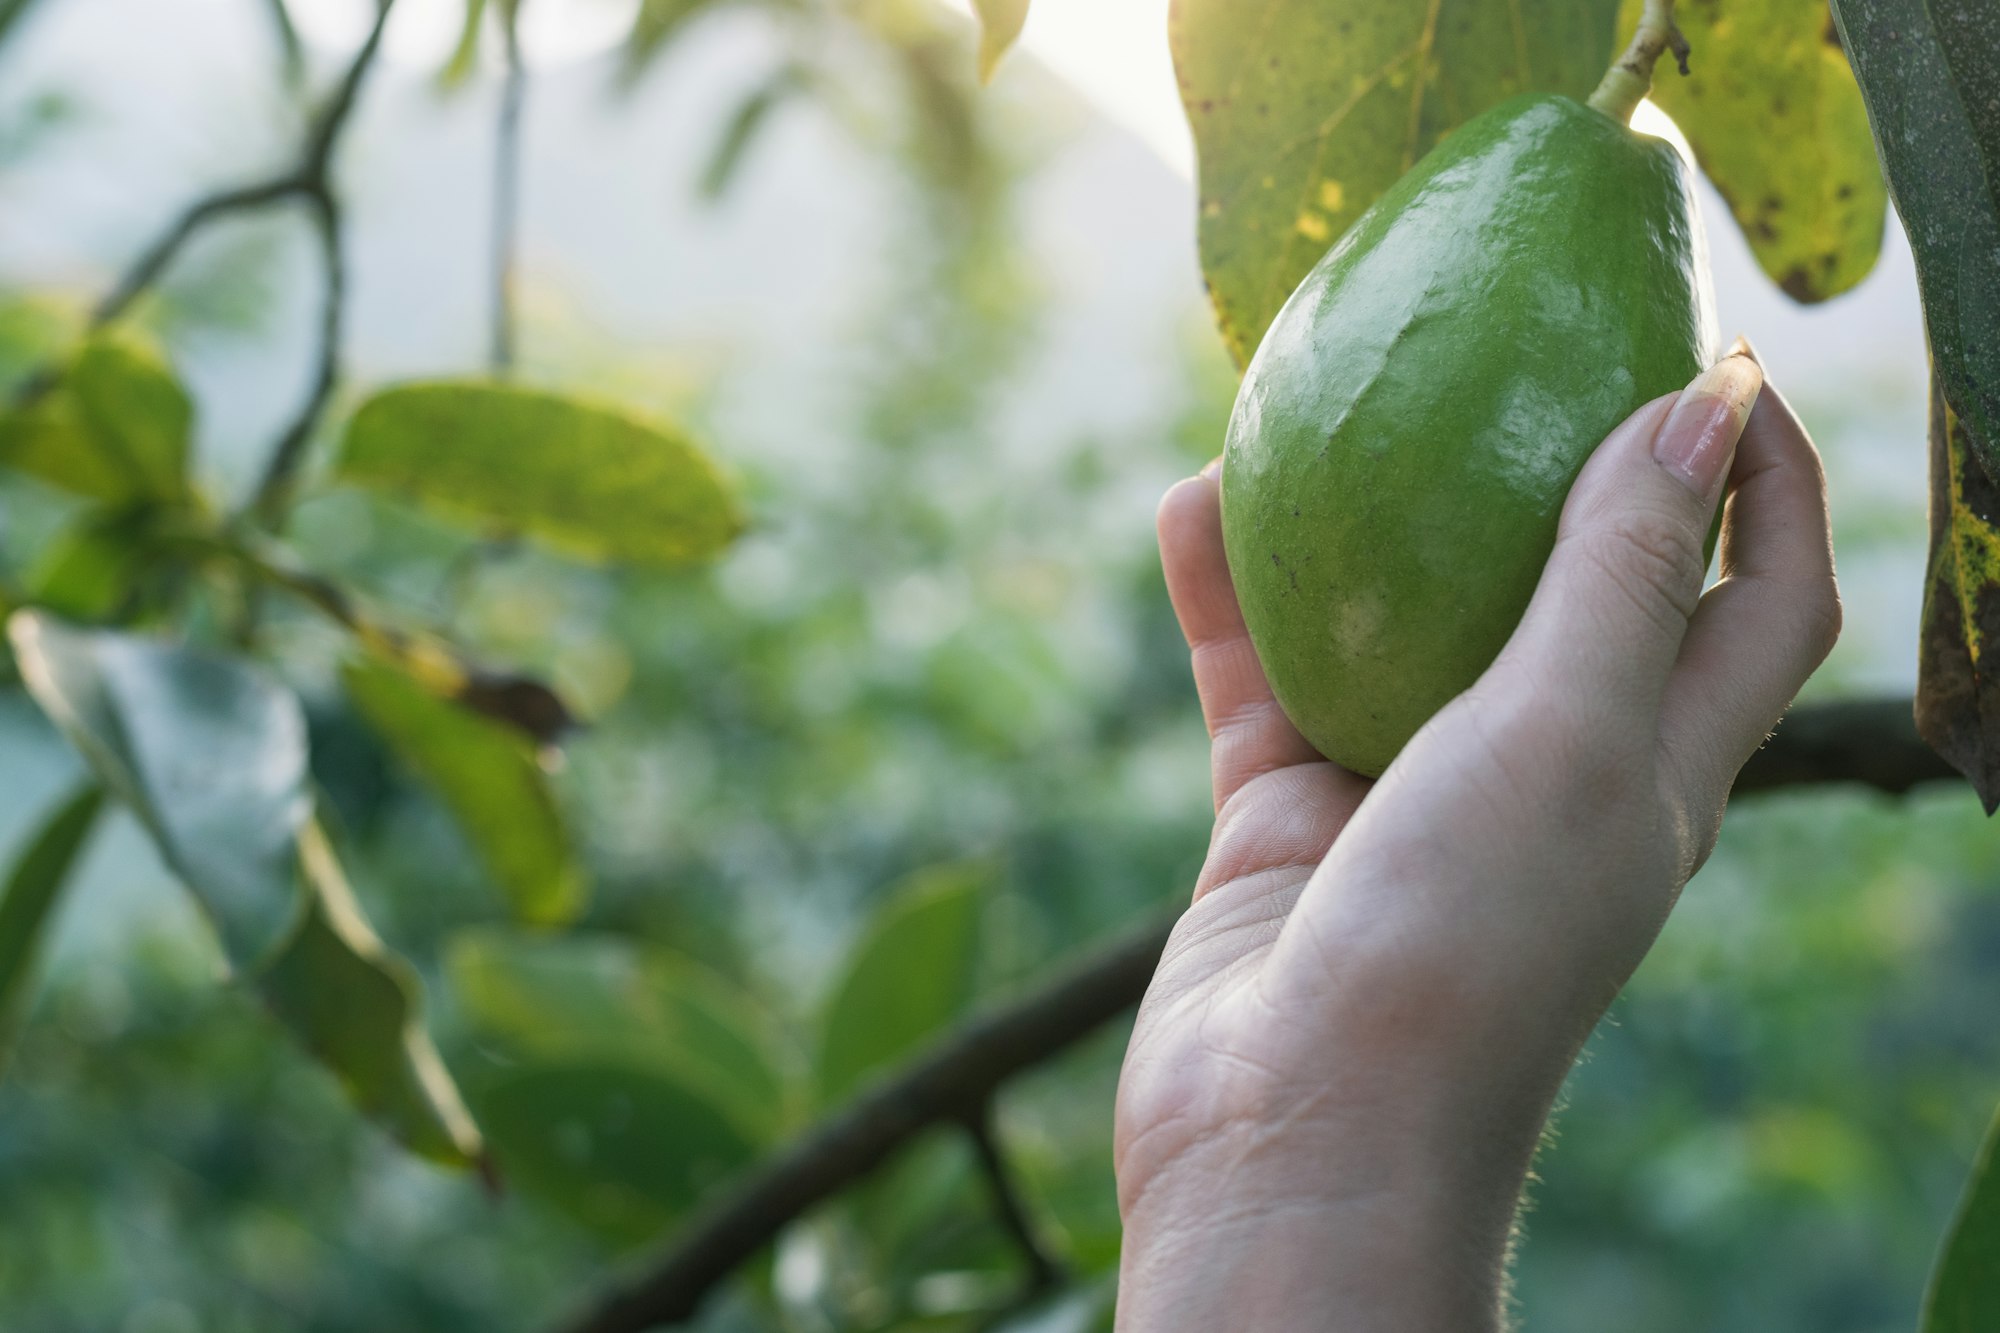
{"x": 954, "y": 343}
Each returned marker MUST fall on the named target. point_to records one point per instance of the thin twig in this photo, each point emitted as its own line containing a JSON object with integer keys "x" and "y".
{"x": 273, "y": 495}
{"x": 1043, "y": 1270}
{"x": 507, "y": 189}
{"x": 1868, "y": 743}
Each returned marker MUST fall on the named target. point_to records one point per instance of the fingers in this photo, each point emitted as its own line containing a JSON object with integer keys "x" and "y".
{"x": 1773, "y": 617}
{"x": 1612, "y": 607}
{"x": 1251, "y": 735}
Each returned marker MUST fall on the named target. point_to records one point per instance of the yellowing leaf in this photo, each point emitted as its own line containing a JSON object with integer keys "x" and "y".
{"x": 489, "y": 775}
{"x": 1805, "y": 186}
{"x": 1958, "y": 660}
{"x": 586, "y": 480}
{"x": 1304, "y": 111}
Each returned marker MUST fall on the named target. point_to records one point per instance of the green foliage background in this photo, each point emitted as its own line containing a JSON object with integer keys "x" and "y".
{"x": 927, "y": 704}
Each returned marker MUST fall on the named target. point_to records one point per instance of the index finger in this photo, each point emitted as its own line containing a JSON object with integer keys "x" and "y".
{"x": 1250, "y": 734}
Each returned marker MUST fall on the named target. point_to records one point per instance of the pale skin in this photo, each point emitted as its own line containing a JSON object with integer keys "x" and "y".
{"x": 1349, "y": 1051}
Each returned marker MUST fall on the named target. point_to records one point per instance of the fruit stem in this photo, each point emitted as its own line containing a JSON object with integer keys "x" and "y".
{"x": 1630, "y": 77}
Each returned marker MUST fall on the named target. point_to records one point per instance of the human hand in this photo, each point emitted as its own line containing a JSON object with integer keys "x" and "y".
{"x": 1347, "y": 1055}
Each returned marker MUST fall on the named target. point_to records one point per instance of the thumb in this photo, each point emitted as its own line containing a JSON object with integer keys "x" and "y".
{"x": 1612, "y": 607}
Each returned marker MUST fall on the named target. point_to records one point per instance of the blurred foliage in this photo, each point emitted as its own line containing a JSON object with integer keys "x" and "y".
{"x": 929, "y": 707}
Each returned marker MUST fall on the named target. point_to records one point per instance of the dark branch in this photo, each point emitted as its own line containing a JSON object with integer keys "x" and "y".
{"x": 1043, "y": 1270}
{"x": 274, "y": 490}
{"x": 507, "y": 190}
{"x": 1871, "y": 743}
{"x": 950, "y": 1082}
{"x": 307, "y": 178}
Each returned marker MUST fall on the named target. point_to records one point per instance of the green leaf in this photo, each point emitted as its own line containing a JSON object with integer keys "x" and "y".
{"x": 1964, "y": 1295}
{"x": 1000, "y": 23}
{"x": 209, "y": 753}
{"x": 1306, "y": 110}
{"x": 583, "y": 479}
{"x": 95, "y": 567}
{"x": 1958, "y": 685}
{"x": 1805, "y": 187}
{"x": 909, "y": 976}
{"x": 1968, "y": 31}
{"x": 490, "y": 776}
{"x": 1931, "y": 151}
{"x": 115, "y": 426}
{"x": 27, "y": 905}
{"x": 354, "y": 1005}
{"x": 623, "y": 1150}
{"x": 613, "y": 999}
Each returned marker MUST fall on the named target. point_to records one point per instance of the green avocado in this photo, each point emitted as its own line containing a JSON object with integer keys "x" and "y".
{"x": 1407, "y": 432}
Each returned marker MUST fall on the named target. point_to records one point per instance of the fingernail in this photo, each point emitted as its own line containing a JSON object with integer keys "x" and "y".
{"x": 1744, "y": 347}
{"x": 1214, "y": 469}
{"x": 1700, "y": 434}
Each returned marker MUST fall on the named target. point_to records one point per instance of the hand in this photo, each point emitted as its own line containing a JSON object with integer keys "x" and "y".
{"x": 1346, "y": 1058}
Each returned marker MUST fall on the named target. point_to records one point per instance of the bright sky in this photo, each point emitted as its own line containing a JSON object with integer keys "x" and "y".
{"x": 1113, "y": 51}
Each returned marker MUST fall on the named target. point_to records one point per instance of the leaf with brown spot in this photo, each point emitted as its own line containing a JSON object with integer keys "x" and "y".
{"x": 1304, "y": 111}
{"x": 1958, "y": 661}
{"x": 1805, "y": 186}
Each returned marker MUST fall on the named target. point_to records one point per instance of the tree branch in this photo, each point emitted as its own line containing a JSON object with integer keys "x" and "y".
{"x": 1872, "y": 743}
{"x": 274, "y": 489}
{"x": 306, "y": 177}
{"x": 1043, "y": 1270}
{"x": 949, "y": 1082}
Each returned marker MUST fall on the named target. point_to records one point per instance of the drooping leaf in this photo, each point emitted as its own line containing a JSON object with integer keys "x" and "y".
{"x": 614, "y": 999}
{"x": 911, "y": 973}
{"x": 1958, "y": 660}
{"x": 27, "y": 904}
{"x": 1964, "y": 1295}
{"x": 210, "y": 755}
{"x": 114, "y": 426}
{"x": 1304, "y": 111}
{"x": 1932, "y": 153}
{"x": 623, "y": 1150}
{"x": 354, "y": 1005}
{"x": 1805, "y": 186}
{"x": 490, "y": 776}
{"x": 1000, "y": 24}
{"x": 208, "y": 752}
{"x": 583, "y": 479}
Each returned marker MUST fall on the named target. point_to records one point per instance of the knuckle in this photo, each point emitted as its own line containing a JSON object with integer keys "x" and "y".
{"x": 1655, "y": 561}
{"x": 1824, "y": 617}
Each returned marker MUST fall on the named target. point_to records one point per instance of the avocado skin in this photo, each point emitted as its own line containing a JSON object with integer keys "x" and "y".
{"x": 1405, "y": 435}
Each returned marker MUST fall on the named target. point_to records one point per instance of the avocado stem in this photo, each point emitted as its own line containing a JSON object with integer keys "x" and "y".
{"x": 1630, "y": 77}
